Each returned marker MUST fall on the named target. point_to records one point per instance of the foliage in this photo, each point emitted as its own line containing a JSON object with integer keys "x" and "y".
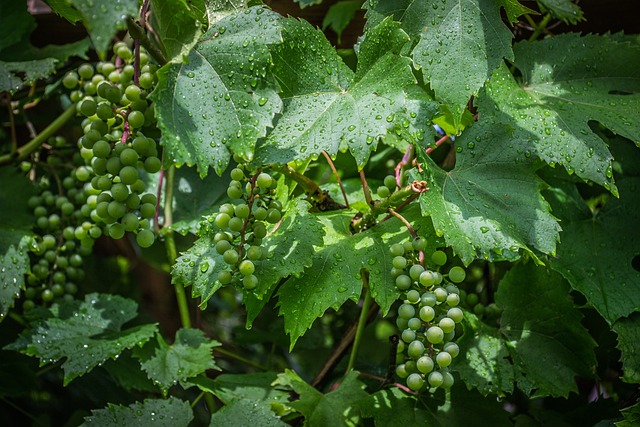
{"x": 437, "y": 227}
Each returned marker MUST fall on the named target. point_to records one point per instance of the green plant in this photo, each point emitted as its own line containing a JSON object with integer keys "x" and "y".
{"x": 223, "y": 149}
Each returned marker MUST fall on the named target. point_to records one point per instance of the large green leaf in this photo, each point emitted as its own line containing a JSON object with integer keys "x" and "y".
{"x": 631, "y": 416}
{"x": 171, "y": 412}
{"x": 329, "y": 108}
{"x": 14, "y": 74}
{"x": 84, "y": 333}
{"x": 565, "y": 10}
{"x": 223, "y": 99}
{"x": 335, "y": 275}
{"x": 596, "y": 251}
{"x": 188, "y": 356}
{"x": 331, "y": 409}
{"x": 16, "y": 23}
{"x": 176, "y": 25}
{"x": 567, "y": 81}
{"x": 256, "y": 387}
{"x": 543, "y": 331}
{"x": 628, "y": 331}
{"x": 102, "y": 20}
{"x": 245, "y": 412}
{"x": 490, "y": 204}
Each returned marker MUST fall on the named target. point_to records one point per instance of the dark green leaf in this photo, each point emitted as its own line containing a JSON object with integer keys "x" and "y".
{"x": 543, "y": 331}
{"x": 490, "y": 204}
{"x": 256, "y": 387}
{"x": 329, "y": 108}
{"x": 176, "y": 25}
{"x": 464, "y": 42}
{"x": 628, "y": 331}
{"x": 514, "y": 9}
{"x": 223, "y": 99}
{"x": 16, "y": 23}
{"x": 14, "y": 74}
{"x": 306, "y": 3}
{"x": 171, "y": 412}
{"x": 596, "y": 252}
{"x": 331, "y": 409}
{"x": 568, "y": 81}
{"x": 244, "y": 412}
{"x": 103, "y": 20}
{"x": 340, "y": 14}
{"x": 631, "y": 416}
{"x": 189, "y": 356}
{"x": 86, "y": 333}
{"x": 565, "y": 10}
{"x": 64, "y": 9}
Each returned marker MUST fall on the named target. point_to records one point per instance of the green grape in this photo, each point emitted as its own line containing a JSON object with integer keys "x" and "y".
{"x": 254, "y": 253}
{"x": 453, "y": 300}
{"x": 413, "y": 296}
{"x": 414, "y": 323}
{"x": 403, "y": 282}
{"x": 390, "y": 182}
{"x": 114, "y": 165}
{"x": 415, "y": 271}
{"x": 236, "y": 224}
{"x": 447, "y": 325}
{"x": 383, "y": 192}
{"x": 427, "y": 314}
{"x": 250, "y": 281}
{"x": 242, "y": 211}
{"x": 237, "y": 174}
{"x": 85, "y": 71}
{"x": 146, "y": 80}
{"x": 70, "y": 80}
{"x": 222, "y": 220}
{"x": 420, "y": 244}
{"x": 152, "y": 164}
{"x": 260, "y": 213}
{"x": 145, "y": 238}
{"x": 87, "y": 107}
{"x": 435, "y": 379}
{"x": 147, "y": 210}
{"x": 246, "y": 267}
{"x": 406, "y": 311}
{"x": 427, "y": 278}
{"x": 425, "y": 364}
{"x": 455, "y": 314}
{"x": 452, "y": 348}
{"x": 132, "y": 92}
{"x": 416, "y": 349}
{"x": 439, "y": 258}
{"x": 408, "y": 335}
{"x": 128, "y": 175}
{"x": 231, "y": 257}
{"x": 457, "y": 274}
{"x": 116, "y": 231}
{"x": 264, "y": 180}
{"x": 399, "y": 262}
{"x": 135, "y": 119}
{"x": 401, "y": 371}
{"x": 434, "y": 335}
{"x": 225, "y": 277}
{"x": 234, "y": 192}
{"x": 129, "y": 157}
{"x": 116, "y": 209}
{"x": 101, "y": 149}
{"x": 443, "y": 359}
{"x": 130, "y": 222}
{"x": 104, "y": 111}
{"x": 120, "y": 192}
{"x": 415, "y": 381}
{"x": 222, "y": 246}
{"x": 401, "y": 323}
{"x": 273, "y": 215}
{"x": 441, "y": 294}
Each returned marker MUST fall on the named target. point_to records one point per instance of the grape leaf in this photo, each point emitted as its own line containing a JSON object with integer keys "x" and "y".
{"x": 102, "y": 21}
{"x": 176, "y": 25}
{"x": 340, "y": 14}
{"x": 565, "y": 10}
{"x": 335, "y": 275}
{"x": 464, "y": 42}
{"x": 484, "y": 358}
{"x": 14, "y": 74}
{"x": 86, "y": 333}
{"x": 125, "y": 372}
{"x": 490, "y": 204}
{"x": 331, "y": 409}
{"x": 189, "y": 356}
{"x": 65, "y": 10}
{"x": 569, "y": 80}
{"x": 329, "y": 108}
{"x": 255, "y": 387}
{"x": 628, "y": 330}
{"x": 306, "y": 3}
{"x": 16, "y": 23}
{"x": 245, "y": 412}
{"x": 14, "y": 263}
{"x": 219, "y": 9}
{"x": 410, "y": 13}
{"x": 25, "y": 51}
{"x": 596, "y": 252}
{"x": 543, "y": 331}
{"x": 289, "y": 250}
{"x": 631, "y": 416}
{"x": 171, "y": 412}
{"x": 514, "y": 9}
{"x": 223, "y": 99}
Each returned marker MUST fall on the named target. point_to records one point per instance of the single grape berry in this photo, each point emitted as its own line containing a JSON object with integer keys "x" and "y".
{"x": 145, "y": 238}
{"x": 439, "y": 258}
{"x": 415, "y": 381}
{"x": 457, "y": 274}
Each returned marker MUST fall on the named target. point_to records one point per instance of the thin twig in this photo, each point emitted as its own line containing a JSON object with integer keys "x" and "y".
{"x": 335, "y": 172}
{"x": 438, "y": 144}
{"x": 365, "y": 188}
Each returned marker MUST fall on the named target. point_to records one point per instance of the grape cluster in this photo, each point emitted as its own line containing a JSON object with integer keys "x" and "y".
{"x": 114, "y": 146}
{"x": 243, "y": 224}
{"x": 427, "y": 317}
{"x": 65, "y": 233}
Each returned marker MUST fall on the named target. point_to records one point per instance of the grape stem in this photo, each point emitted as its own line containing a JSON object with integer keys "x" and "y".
{"x": 365, "y": 189}
{"x": 335, "y": 173}
{"x": 324, "y": 200}
{"x": 25, "y": 151}
{"x": 406, "y": 159}
{"x": 398, "y": 198}
{"x": 404, "y": 221}
{"x": 137, "y": 32}
{"x": 362, "y": 321}
{"x": 438, "y": 144}
{"x": 170, "y": 244}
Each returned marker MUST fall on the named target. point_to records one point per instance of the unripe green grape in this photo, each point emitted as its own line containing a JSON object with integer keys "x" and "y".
{"x": 403, "y": 282}
{"x": 146, "y": 80}
{"x": 414, "y": 323}
{"x": 129, "y": 157}
{"x": 260, "y": 213}
{"x": 130, "y": 221}
{"x": 401, "y": 371}
{"x": 390, "y": 182}
{"x": 120, "y": 192}
{"x": 383, "y": 192}
{"x": 114, "y": 165}
{"x": 237, "y": 174}
{"x": 104, "y": 111}
{"x": 246, "y": 267}
{"x": 408, "y": 246}
{"x": 128, "y": 175}
{"x": 273, "y": 215}
{"x": 415, "y": 349}
{"x": 138, "y": 187}
{"x": 250, "y": 281}
{"x": 415, "y": 381}
{"x": 447, "y": 325}
{"x": 435, "y": 379}
{"x": 234, "y": 192}
{"x": 427, "y": 278}
{"x": 472, "y": 299}
{"x": 427, "y": 314}
{"x": 225, "y": 277}
{"x": 135, "y": 119}
{"x": 441, "y": 294}
{"x": 254, "y": 253}
{"x": 402, "y": 323}
{"x": 147, "y": 210}
{"x": 87, "y": 107}
{"x": 452, "y": 348}
{"x": 455, "y": 314}
{"x": 415, "y": 271}
{"x": 47, "y": 295}
{"x": 116, "y": 231}
{"x": 140, "y": 144}
{"x": 453, "y": 300}
{"x": 145, "y": 238}
{"x": 259, "y": 230}
{"x": 264, "y": 180}
{"x": 101, "y": 149}
{"x": 434, "y": 335}
{"x": 420, "y": 244}
{"x": 115, "y": 209}
{"x": 83, "y": 173}
{"x": 413, "y": 296}
{"x": 133, "y": 201}
{"x": 70, "y": 80}
{"x": 408, "y": 335}
{"x": 149, "y": 198}
{"x": 230, "y": 256}
{"x": 132, "y": 92}
{"x": 113, "y": 94}
{"x": 152, "y": 164}
{"x": 222, "y": 220}
{"x": 439, "y": 258}
{"x": 222, "y": 246}
{"x": 242, "y": 211}
{"x": 236, "y": 224}
{"x": 457, "y": 274}
{"x": 443, "y": 359}
{"x": 399, "y": 262}
{"x": 406, "y": 311}
{"x": 425, "y": 364}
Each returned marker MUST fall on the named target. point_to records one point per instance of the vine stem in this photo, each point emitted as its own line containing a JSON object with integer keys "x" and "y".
{"x": 31, "y": 146}
{"x": 365, "y": 188}
{"x": 438, "y": 144}
{"x": 539, "y": 28}
{"x": 240, "y": 358}
{"x": 404, "y": 221}
{"x": 362, "y": 321}
{"x": 170, "y": 244}
{"x": 335, "y": 172}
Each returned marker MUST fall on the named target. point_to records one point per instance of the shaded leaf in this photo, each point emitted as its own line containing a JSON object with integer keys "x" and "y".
{"x": 565, "y": 10}
{"x": 245, "y": 412}
{"x": 171, "y": 412}
{"x": 176, "y": 25}
{"x": 14, "y": 74}
{"x": 631, "y": 416}
{"x": 489, "y": 205}
{"x": 628, "y": 330}
{"x": 223, "y": 99}
{"x": 568, "y": 80}
{"x": 16, "y": 23}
